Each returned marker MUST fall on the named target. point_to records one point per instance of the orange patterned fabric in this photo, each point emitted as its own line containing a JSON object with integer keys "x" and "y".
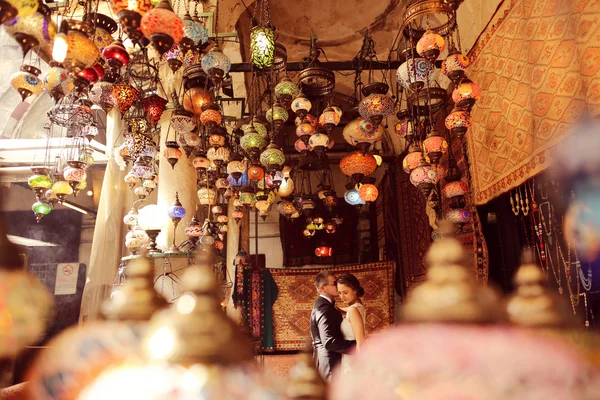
{"x": 297, "y": 294}
{"x": 538, "y": 64}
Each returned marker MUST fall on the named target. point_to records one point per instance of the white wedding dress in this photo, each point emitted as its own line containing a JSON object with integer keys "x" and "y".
{"x": 349, "y": 334}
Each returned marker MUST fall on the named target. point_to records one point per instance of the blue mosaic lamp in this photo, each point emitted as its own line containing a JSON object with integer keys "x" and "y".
{"x": 176, "y": 212}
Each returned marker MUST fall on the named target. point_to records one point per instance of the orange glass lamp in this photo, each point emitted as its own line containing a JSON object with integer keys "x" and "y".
{"x": 430, "y": 46}
{"x": 357, "y": 165}
{"x": 324, "y": 251}
{"x": 162, "y": 27}
{"x": 368, "y": 192}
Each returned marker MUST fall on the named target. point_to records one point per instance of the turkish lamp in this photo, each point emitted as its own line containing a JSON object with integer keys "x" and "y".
{"x": 368, "y": 193}
{"x": 41, "y": 209}
{"x": 75, "y": 173}
{"x": 430, "y": 46}
{"x": 252, "y": 142}
{"x": 131, "y": 218}
{"x": 357, "y": 165}
{"x": 458, "y": 122}
{"x": 149, "y": 184}
{"x": 172, "y": 153}
{"x": 414, "y": 73}
{"x": 192, "y": 34}
{"x": 466, "y": 94}
{"x": 216, "y": 64}
{"x": 101, "y": 95}
{"x": 435, "y": 146}
{"x": 193, "y": 231}
{"x": 454, "y": 65}
{"x": 62, "y": 189}
{"x": 40, "y": 181}
{"x": 50, "y": 197}
{"x": 286, "y": 91}
{"x": 329, "y": 119}
{"x": 262, "y": 46}
{"x": 130, "y": 14}
{"x": 174, "y": 58}
{"x": 319, "y": 142}
{"x": 116, "y": 55}
{"x": 27, "y": 81}
{"x": 176, "y": 212}
{"x": 353, "y": 198}
{"x": 459, "y": 216}
{"x": 182, "y": 121}
{"x": 152, "y": 218}
{"x": 424, "y": 177}
{"x": 57, "y": 81}
{"x": 82, "y": 53}
{"x": 154, "y": 105}
{"x": 141, "y": 192}
{"x": 376, "y": 105}
{"x": 207, "y": 196}
{"x": 162, "y": 27}
{"x": 61, "y": 45}
{"x": 125, "y": 95}
{"x": 211, "y": 116}
{"x": 272, "y": 158}
{"x": 304, "y": 131}
{"x": 301, "y": 105}
{"x": 135, "y": 239}
{"x": 195, "y": 98}
{"x": 276, "y": 115}
{"x": 455, "y": 191}
{"x": 413, "y": 158}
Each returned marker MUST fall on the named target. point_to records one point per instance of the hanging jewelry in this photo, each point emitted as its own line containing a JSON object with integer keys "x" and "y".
{"x": 587, "y": 321}
{"x": 525, "y": 205}
{"x": 512, "y": 205}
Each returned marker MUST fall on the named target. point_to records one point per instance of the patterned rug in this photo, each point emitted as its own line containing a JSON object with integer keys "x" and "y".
{"x": 538, "y": 64}
{"x": 297, "y": 294}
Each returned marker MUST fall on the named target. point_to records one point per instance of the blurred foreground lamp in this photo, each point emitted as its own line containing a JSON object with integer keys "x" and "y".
{"x": 262, "y": 46}
{"x": 162, "y": 27}
{"x": 152, "y": 219}
{"x": 81, "y": 51}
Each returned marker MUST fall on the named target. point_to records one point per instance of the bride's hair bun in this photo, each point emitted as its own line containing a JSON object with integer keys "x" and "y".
{"x": 352, "y": 282}
{"x": 360, "y": 292}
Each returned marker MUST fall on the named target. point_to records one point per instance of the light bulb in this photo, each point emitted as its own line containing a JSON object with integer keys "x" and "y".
{"x": 59, "y": 51}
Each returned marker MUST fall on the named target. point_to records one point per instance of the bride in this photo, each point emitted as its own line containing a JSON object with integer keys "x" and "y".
{"x": 353, "y": 324}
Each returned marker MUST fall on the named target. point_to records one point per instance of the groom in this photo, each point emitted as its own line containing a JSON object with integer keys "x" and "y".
{"x": 325, "y": 326}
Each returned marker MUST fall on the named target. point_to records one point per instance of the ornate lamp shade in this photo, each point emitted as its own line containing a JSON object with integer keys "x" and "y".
{"x": 162, "y": 27}
{"x": 201, "y": 163}
{"x": 22, "y": 8}
{"x": 435, "y": 146}
{"x": 62, "y": 189}
{"x": 301, "y": 147}
{"x": 131, "y": 179}
{"x": 176, "y": 211}
{"x": 304, "y": 131}
{"x": 189, "y": 140}
{"x": 368, "y": 193}
{"x": 101, "y": 94}
{"x": 414, "y": 73}
{"x": 329, "y": 119}
{"x": 236, "y": 168}
{"x": 454, "y": 65}
{"x": 358, "y": 164}
{"x": 256, "y": 173}
{"x": 286, "y": 188}
{"x": 455, "y": 189}
{"x": 207, "y": 196}
{"x": 116, "y": 55}
{"x": 362, "y": 133}
{"x": 195, "y": 98}
{"x": 376, "y": 105}
{"x": 256, "y": 126}
{"x": 182, "y": 121}
{"x": 286, "y": 208}
{"x": 459, "y": 121}
{"x": 36, "y": 30}
{"x": 286, "y": 91}
{"x": 141, "y": 192}
{"x": 216, "y": 64}
{"x": 154, "y": 105}
{"x": 277, "y": 115}
{"x": 353, "y": 198}
{"x": 272, "y": 158}
{"x": 104, "y": 27}
{"x": 40, "y": 182}
{"x": 237, "y": 215}
{"x": 172, "y": 153}
{"x": 216, "y": 140}
{"x": 27, "y": 81}
{"x": 75, "y": 173}
{"x": 194, "y": 229}
{"x": 466, "y": 94}
{"x": 211, "y": 116}
{"x": 247, "y": 198}
{"x": 125, "y": 95}
{"x": 262, "y": 46}
{"x": 222, "y": 184}
{"x": 459, "y": 216}
{"x": 301, "y": 105}
{"x": 424, "y": 177}
{"x": 252, "y": 142}
{"x": 81, "y": 51}
{"x": 40, "y": 210}
{"x": 319, "y": 142}
{"x": 57, "y": 82}
{"x": 411, "y": 161}
{"x": 174, "y": 58}
{"x": 218, "y": 155}
{"x": 193, "y": 34}
{"x": 130, "y": 12}
{"x": 430, "y": 46}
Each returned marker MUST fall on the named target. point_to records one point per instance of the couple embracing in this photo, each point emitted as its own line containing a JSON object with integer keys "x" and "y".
{"x": 335, "y": 332}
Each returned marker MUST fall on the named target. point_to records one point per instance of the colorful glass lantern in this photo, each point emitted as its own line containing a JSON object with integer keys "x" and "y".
{"x": 459, "y": 121}
{"x": 131, "y": 218}
{"x": 172, "y": 153}
{"x": 9, "y": 9}
{"x": 362, "y": 133}
{"x": 57, "y": 82}
{"x": 252, "y": 142}
{"x": 101, "y": 94}
{"x": 424, "y": 177}
{"x": 376, "y": 105}
{"x": 353, "y": 198}
{"x": 277, "y": 115}
{"x": 260, "y": 127}
{"x": 116, "y": 55}
{"x": 435, "y": 146}
{"x": 192, "y": 33}
{"x": 162, "y": 27}
{"x": 40, "y": 209}
{"x": 211, "y": 115}
{"x": 262, "y": 46}
{"x": 358, "y": 164}
{"x": 40, "y": 181}
{"x": 466, "y": 94}
{"x": 130, "y": 14}
{"x": 304, "y": 131}
{"x": 222, "y": 184}
{"x": 131, "y": 179}
{"x": 459, "y": 216}
{"x": 36, "y": 30}
{"x": 368, "y": 193}
{"x": 176, "y": 211}
{"x": 141, "y": 192}
{"x": 430, "y": 45}
{"x": 319, "y": 142}
{"x": 216, "y": 140}
{"x": 125, "y": 95}
{"x": 236, "y": 168}
{"x": 405, "y": 129}
{"x": 195, "y": 98}
{"x": 455, "y": 189}
{"x": 216, "y": 64}
{"x": 237, "y": 215}
{"x": 286, "y": 208}
{"x": 104, "y": 27}
{"x": 454, "y": 65}
{"x": 218, "y": 155}
{"x": 286, "y": 91}
{"x": 62, "y": 189}
{"x": 301, "y": 105}
{"x": 27, "y": 81}
{"x": 182, "y": 121}
{"x": 154, "y": 105}
{"x": 81, "y": 51}
{"x": 286, "y": 188}
{"x": 324, "y": 251}
{"x": 301, "y": 147}
{"x": 329, "y": 119}
{"x": 256, "y": 173}
{"x": 207, "y": 196}
{"x": 174, "y": 58}
{"x": 411, "y": 161}
{"x": 201, "y": 163}
{"x": 414, "y": 73}
{"x": 75, "y": 173}
{"x": 272, "y": 158}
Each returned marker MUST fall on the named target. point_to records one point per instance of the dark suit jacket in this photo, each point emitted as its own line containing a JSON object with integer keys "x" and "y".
{"x": 327, "y": 339}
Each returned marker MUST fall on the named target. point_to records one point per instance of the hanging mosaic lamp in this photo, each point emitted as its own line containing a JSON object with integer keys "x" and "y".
{"x": 458, "y": 121}
{"x": 174, "y": 58}
{"x": 466, "y": 94}
{"x": 252, "y": 143}
{"x": 75, "y": 173}
{"x": 104, "y": 27}
{"x": 262, "y": 46}
{"x": 195, "y": 98}
{"x": 368, "y": 192}
{"x": 304, "y": 131}
{"x": 131, "y": 179}
{"x": 125, "y": 95}
{"x": 57, "y": 81}
{"x": 277, "y": 115}
{"x": 404, "y": 127}
{"x": 286, "y": 91}
{"x": 413, "y": 158}
{"x": 362, "y": 133}
{"x": 329, "y": 119}
{"x": 40, "y": 181}
{"x": 454, "y": 65}
{"x": 455, "y": 189}
{"x": 353, "y": 198}
{"x": 216, "y": 64}
{"x": 9, "y": 9}
{"x": 301, "y": 147}
{"x": 201, "y": 163}
{"x": 459, "y": 216}
{"x": 40, "y": 209}
{"x": 286, "y": 188}
{"x": 256, "y": 173}
{"x": 87, "y": 77}
{"x": 319, "y": 142}
{"x": 176, "y": 211}
{"x": 272, "y": 158}
{"x": 62, "y": 189}
{"x": 301, "y": 106}
{"x": 424, "y": 177}
{"x": 357, "y": 165}
{"x": 236, "y": 168}
{"x": 82, "y": 53}
{"x": 183, "y": 121}
{"x": 218, "y": 155}
{"x": 36, "y": 30}
{"x": 162, "y": 27}
{"x": 116, "y": 55}
{"x": 172, "y": 153}
{"x": 414, "y": 73}
{"x": 192, "y": 33}
{"x": 130, "y": 14}
{"x": 206, "y": 196}
{"x": 154, "y": 105}
{"x": 101, "y": 94}
{"x": 435, "y": 146}
{"x": 211, "y": 116}
{"x": 430, "y": 46}
{"x": 203, "y": 36}
{"x": 27, "y": 81}
{"x": 376, "y": 105}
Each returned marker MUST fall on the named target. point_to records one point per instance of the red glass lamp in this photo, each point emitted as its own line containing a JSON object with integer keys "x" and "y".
{"x": 162, "y": 27}
{"x": 358, "y": 164}
{"x": 154, "y": 106}
{"x": 125, "y": 95}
